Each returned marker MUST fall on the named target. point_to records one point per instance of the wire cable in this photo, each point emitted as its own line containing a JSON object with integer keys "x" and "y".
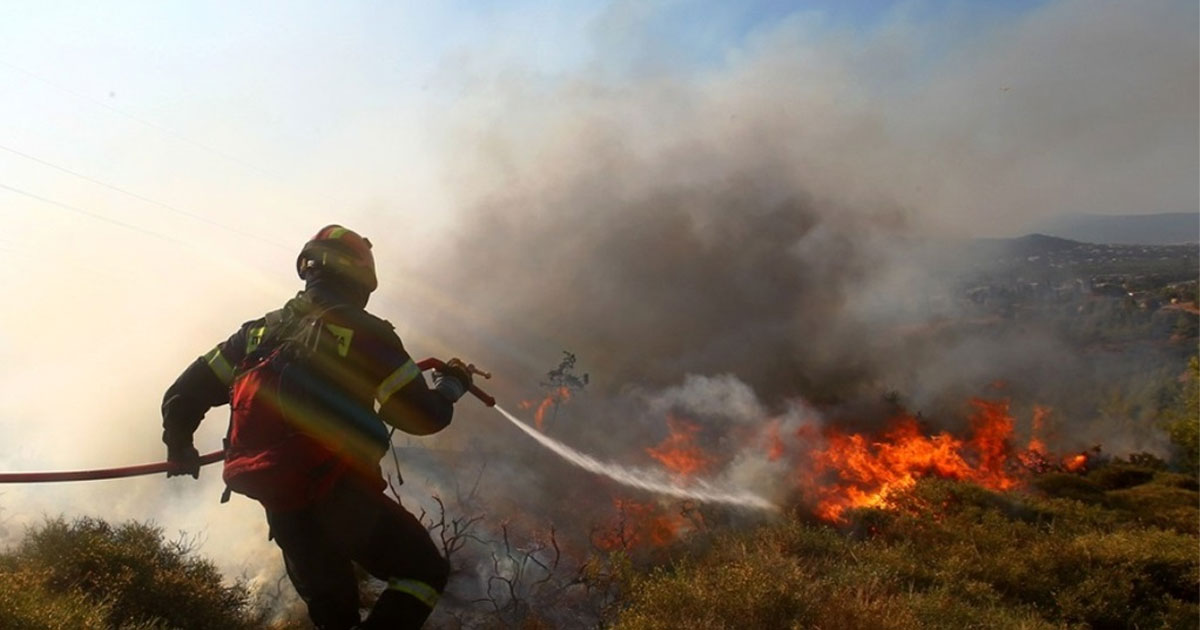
{"x": 123, "y": 191}
{"x": 157, "y": 127}
{"x": 89, "y": 213}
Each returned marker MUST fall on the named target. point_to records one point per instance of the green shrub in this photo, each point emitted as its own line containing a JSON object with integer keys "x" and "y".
{"x": 1177, "y": 480}
{"x": 1161, "y": 505}
{"x": 1117, "y": 475}
{"x": 1182, "y": 420}
{"x": 1070, "y": 486}
{"x": 1122, "y": 579}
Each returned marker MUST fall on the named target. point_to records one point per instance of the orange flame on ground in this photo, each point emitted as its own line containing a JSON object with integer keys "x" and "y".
{"x": 640, "y": 524}
{"x": 852, "y": 470}
{"x": 648, "y": 524}
{"x": 992, "y": 427}
{"x": 1035, "y": 457}
{"x": 774, "y": 442}
{"x": 1036, "y": 444}
{"x": 1076, "y": 463}
{"x": 678, "y": 452}
{"x": 866, "y": 472}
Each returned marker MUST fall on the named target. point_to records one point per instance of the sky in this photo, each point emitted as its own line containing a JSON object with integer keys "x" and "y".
{"x": 162, "y": 163}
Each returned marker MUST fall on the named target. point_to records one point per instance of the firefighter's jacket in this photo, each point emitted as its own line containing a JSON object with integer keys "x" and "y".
{"x": 373, "y": 374}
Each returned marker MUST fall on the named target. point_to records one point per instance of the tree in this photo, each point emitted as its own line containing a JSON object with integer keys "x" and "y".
{"x": 1182, "y": 420}
{"x": 562, "y": 383}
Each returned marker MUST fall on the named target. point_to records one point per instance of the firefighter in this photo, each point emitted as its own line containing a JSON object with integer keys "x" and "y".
{"x": 319, "y": 477}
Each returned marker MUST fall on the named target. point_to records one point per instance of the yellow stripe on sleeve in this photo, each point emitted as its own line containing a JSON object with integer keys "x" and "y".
{"x": 398, "y": 379}
{"x": 219, "y": 365}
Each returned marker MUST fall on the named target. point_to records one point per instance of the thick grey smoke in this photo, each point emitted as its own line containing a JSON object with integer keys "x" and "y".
{"x": 773, "y": 216}
{"x": 765, "y": 245}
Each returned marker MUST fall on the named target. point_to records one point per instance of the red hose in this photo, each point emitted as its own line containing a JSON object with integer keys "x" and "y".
{"x": 162, "y": 467}
{"x": 102, "y": 473}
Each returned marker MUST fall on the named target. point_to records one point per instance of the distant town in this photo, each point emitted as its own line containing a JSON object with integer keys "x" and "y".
{"x": 1050, "y": 275}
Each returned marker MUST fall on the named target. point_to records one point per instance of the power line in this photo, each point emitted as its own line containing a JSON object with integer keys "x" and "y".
{"x": 161, "y": 129}
{"x": 88, "y": 213}
{"x": 123, "y": 191}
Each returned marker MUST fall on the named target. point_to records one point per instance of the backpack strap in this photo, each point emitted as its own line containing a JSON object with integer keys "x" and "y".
{"x": 260, "y": 342}
{"x": 278, "y": 326}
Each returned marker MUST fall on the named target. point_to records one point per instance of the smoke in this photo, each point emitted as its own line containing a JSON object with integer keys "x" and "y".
{"x": 776, "y": 215}
{"x": 774, "y": 241}
{"x": 746, "y": 241}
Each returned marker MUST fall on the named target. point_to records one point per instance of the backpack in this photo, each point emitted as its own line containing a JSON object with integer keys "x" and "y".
{"x": 281, "y": 447}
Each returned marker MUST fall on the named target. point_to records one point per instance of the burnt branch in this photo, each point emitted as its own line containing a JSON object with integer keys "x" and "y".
{"x": 451, "y": 534}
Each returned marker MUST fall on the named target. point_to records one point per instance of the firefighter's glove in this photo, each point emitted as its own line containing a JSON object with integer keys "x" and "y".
{"x": 453, "y": 380}
{"x": 184, "y": 460}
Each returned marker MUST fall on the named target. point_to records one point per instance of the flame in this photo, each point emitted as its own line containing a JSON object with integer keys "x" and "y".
{"x": 678, "y": 452}
{"x": 1036, "y": 444}
{"x": 774, "y": 442}
{"x": 556, "y": 396}
{"x": 1076, "y": 463}
{"x": 1035, "y": 456}
{"x": 854, "y": 470}
{"x": 640, "y": 524}
{"x": 993, "y": 427}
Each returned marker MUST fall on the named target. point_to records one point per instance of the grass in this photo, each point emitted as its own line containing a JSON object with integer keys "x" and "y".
{"x": 1115, "y": 549}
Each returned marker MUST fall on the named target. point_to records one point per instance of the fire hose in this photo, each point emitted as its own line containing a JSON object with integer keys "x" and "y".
{"x": 206, "y": 459}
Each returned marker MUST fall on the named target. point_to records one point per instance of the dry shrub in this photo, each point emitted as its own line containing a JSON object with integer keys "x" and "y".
{"x": 91, "y": 574}
{"x": 948, "y": 555}
{"x": 1120, "y": 475}
{"x": 26, "y": 604}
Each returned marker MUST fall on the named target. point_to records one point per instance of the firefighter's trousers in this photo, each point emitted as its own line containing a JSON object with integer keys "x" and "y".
{"x": 355, "y": 524}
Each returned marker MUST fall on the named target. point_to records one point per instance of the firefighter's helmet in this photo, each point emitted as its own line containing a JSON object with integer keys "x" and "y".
{"x": 341, "y": 252}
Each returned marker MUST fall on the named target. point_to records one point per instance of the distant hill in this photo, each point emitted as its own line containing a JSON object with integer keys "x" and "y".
{"x": 1065, "y": 258}
{"x": 987, "y": 249}
{"x": 1172, "y": 228}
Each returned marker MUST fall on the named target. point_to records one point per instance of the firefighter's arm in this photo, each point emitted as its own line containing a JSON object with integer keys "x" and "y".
{"x": 406, "y": 402}
{"x": 203, "y": 385}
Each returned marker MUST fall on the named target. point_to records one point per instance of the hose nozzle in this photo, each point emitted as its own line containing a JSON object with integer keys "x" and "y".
{"x": 474, "y": 370}
{"x": 437, "y": 364}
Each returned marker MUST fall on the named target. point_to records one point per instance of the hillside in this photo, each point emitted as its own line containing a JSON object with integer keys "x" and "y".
{"x": 1170, "y": 228}
{"x": 1052, "y": 259}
